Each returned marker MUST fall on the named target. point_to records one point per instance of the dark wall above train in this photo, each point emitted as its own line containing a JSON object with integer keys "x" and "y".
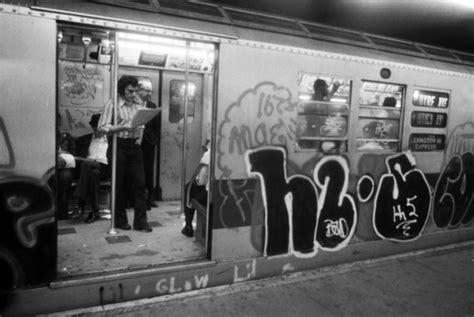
{"x": 230, "y": 17}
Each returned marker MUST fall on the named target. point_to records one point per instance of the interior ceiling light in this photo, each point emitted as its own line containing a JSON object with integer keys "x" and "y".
{"x": 465, "y": 3}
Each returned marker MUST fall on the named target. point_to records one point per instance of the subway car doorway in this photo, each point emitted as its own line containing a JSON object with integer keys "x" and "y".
{"x": 178, "y": 78}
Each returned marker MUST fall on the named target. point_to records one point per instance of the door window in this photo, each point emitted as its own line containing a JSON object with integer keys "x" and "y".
{"x": 380, "y": 113}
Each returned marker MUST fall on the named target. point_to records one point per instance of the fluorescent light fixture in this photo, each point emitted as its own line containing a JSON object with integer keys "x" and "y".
{"x": 465, "y": 3}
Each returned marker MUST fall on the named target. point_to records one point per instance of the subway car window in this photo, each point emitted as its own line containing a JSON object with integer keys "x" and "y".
{"x": 380, "y": 114}
{"x": 177, "y": 100}
{"x": 323, "y": 113}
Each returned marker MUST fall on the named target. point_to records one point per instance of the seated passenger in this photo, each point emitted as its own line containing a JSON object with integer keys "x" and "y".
{"x": 65, "y": 170}
{"x": 197, "y": 189}
{"x": 92, "y": 155}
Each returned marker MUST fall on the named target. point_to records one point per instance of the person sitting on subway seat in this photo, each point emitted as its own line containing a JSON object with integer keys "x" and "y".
{"x": 197, "y": 190}
{"x": 65, "y": 169}
{"x": 93, "y": 167}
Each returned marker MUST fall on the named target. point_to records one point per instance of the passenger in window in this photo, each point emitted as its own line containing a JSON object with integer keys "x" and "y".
{"x": 197, "y": 191}
{"x": 151, "y": 140}
{"x": 389, "y": 101}
{"x": 376, "y": 101}
{"x": 93, "y": 166}
{"x": 129, "y": 153}
{"x": 321, "y": 90}
{"x": 322, "y": 93}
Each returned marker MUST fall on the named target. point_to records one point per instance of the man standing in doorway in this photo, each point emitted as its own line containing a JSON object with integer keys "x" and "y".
{"x": 151, "y": 141}
{"x": 129, "y": 154}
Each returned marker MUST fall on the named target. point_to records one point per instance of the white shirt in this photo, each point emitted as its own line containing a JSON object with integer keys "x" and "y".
{"x": 98, "y": 149}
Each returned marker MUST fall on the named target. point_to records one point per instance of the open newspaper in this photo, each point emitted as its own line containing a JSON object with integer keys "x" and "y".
{"x": 142, "y": 116}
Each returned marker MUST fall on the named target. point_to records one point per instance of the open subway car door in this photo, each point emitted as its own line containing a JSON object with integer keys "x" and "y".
{"x": 169, "y": 65}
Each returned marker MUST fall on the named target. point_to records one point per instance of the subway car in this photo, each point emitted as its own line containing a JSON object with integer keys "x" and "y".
{"x": 327, "y": 146}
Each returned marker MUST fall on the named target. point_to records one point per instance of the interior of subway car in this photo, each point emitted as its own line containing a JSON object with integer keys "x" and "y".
{"x": 178, "y": 77}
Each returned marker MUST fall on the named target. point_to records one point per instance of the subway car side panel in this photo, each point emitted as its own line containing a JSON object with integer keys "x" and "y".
{"x": 263, "y": 178}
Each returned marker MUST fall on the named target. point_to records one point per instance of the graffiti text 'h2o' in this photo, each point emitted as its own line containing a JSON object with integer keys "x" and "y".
{"x": 294, "y": 216}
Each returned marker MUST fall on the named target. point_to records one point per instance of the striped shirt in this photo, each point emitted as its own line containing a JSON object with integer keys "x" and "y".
{"x": 125, "y": 114}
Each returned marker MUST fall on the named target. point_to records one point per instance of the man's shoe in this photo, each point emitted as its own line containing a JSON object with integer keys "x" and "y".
{"x": 124, "y": 227}
{"x": 76, "y": 213}
{"x": 153, "y": 204}
{"x": 145, "y": 228}
{"x": 92, "y": 217}
{"x": 188, "y": 231}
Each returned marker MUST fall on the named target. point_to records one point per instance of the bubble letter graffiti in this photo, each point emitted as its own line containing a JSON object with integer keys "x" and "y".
{"x": 337, "y": 216}
{"x": 402, "y": 202}
{"x": 290, "y": 203}
{"x": 454, "y": 193}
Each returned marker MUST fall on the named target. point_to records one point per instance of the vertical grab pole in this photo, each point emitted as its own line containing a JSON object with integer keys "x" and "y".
{"x": 113, "y": 87}
{"x": 185, "y": 131}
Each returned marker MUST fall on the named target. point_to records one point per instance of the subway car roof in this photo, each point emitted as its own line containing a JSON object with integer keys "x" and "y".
{"x": 222, "y": 22}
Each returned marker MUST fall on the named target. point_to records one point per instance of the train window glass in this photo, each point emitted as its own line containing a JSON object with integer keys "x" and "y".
{"x": 195, "y": 7}
{"x": 335, "y": 33}
{"x": 141, "y": 4}
{"x": 380, "y": 107}
{"x": 465, "y": 57}
{"x": 434, "y": 51}
{"x": 323, "y": 113}
{"x": 407, "y": 46}
{"x": 260, "y": 19}
{"x": 177, "y": 98}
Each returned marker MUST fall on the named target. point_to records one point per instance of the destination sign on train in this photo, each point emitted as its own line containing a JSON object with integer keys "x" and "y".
{"x": 432, "y": 99}
{"x": 427, "y": 142}
{"x": 421, "y": 119}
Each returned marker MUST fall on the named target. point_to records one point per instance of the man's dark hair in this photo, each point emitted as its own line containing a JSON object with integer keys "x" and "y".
{"x": 389, "y": 102}
{"x": 124, "y": 81}
{"x": 319, "y": 83}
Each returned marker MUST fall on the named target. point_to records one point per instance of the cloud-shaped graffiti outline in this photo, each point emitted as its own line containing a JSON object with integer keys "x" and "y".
{"x": 259, "y": 117}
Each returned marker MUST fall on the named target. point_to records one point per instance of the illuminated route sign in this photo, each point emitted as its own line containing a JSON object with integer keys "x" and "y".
{"x": 421, "y": 119}
{"x": 424, "y": 142}
{"x": 432, "y": 99}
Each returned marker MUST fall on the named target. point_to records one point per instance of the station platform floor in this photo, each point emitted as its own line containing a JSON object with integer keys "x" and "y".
{"x": 434, "y": 282}
{"x": 89, "y": 249}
